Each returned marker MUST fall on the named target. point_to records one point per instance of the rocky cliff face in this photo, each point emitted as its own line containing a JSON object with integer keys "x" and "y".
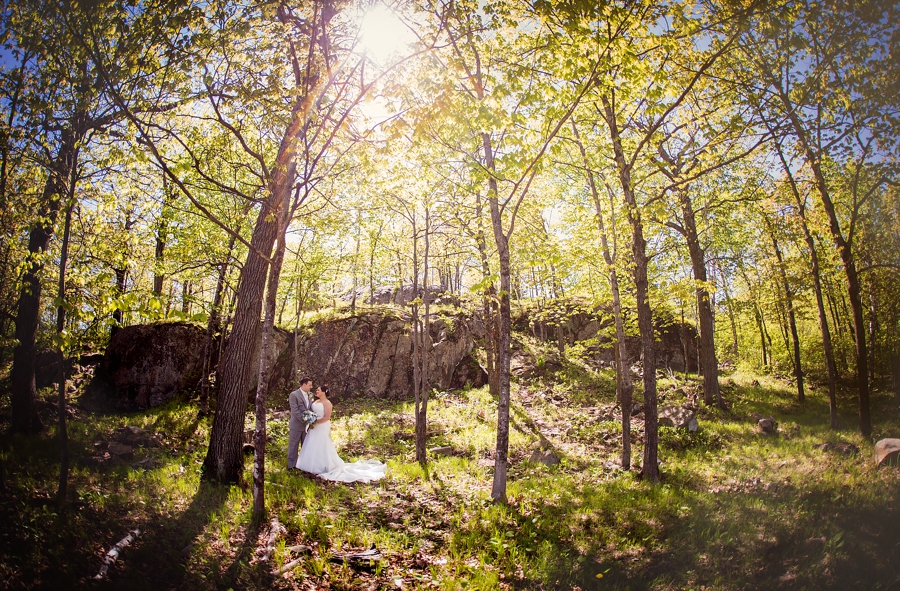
{"x": 677, "y": 342}
{"x": 369, "y": 355}
{"x": 363, "y": 355}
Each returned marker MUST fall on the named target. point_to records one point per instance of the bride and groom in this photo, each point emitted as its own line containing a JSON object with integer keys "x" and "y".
{"x": 310, "y": 429}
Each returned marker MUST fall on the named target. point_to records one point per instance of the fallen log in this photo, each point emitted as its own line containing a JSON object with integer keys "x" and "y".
{"x": 113, "y": 553}
{"x": 275, "y": 530}
{"x": 300, "y": 548}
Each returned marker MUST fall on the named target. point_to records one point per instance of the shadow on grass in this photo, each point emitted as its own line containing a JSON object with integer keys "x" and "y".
{"x": 159, "y": 560}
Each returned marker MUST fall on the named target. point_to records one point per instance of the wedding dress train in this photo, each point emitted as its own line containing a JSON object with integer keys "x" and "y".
{"x": 318, "y": 456}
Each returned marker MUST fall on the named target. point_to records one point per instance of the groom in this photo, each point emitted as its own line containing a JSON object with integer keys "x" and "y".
{"x": 299, "y": 401}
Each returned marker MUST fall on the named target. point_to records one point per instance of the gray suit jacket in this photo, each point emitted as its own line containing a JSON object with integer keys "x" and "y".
{"x": 298, "y": 401}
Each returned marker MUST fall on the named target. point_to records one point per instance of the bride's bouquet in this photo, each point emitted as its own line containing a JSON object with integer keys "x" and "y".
{"x": 309, "y": 417}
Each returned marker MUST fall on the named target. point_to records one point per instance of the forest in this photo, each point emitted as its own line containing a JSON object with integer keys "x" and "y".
{"x": 608, "y": 285}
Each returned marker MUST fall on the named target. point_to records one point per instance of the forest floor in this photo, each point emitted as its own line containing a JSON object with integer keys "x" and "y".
{"x": 736, "y": 509}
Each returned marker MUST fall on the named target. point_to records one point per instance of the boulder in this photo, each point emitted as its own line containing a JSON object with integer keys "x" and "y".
{"x": 444, "y": 450}
{"x": 114, "y": 461}
{"x": 146, "y": 464}
{"x": 135, "y": 437}
{"x": 846, "y": 449}
{"x": 546, "y": 457}
{"x": 147, "y": 365}
{"x": 126, "y": 452}
{"x": 887, "y": 452}
{"x": 678, "y": 417}
{"x": 767, "y": 425}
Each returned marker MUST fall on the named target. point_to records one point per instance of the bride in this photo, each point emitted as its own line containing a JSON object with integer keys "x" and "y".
{"x": 318, "y": 456}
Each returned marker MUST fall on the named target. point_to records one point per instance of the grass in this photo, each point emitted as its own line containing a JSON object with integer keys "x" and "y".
{"x": 735, "y": 509}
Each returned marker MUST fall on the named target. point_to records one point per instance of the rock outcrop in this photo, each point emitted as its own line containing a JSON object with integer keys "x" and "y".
{"x": 369, "y": 355}
{"x": 395, "y": 295}
{"x": 677, "y": 342}
{"x": 148, "y": 364}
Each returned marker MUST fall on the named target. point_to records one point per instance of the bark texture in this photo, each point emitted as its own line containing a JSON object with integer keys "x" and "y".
{"x": 24, "y": 414}
{"x": 224, "y": 460}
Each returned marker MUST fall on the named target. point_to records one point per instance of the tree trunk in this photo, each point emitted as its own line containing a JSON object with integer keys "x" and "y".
{"x": 24, "y": 414}
{"x": 186, "y": 297}
{"x": 212, "y": 327}
{"x": 424, "y": 344}
{"x": 650, "y": 468}
{"x": 490, "y": 340}
{"x": 420, "y": 430}
{"x": 501, "y": 455}
{"x": 817, "y": 284}
{"x": 792, "y": 319}
{"x": 730, "y": 305}
{"x": 158, "y": 277}
{"x": 624, "y": 385}
{"x": 265, "y": 367}
{"x": 355, "y": 268}
{"x": 762, "y": 335}
{"x": 845, "y": 250}
{"x": 709, "y": 365}
{"x": 873, "y": 332}
{"x": 61, "y": 358}
{"x": 121, "y": 276}
{"x": 162, "y": 230}
{"x": 224, "y": 460}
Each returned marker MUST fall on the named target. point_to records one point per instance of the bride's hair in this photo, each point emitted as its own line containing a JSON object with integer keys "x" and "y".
{"x": 324, "y": 388}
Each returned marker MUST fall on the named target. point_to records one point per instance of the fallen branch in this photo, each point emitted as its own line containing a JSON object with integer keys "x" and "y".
{"x": 290, "y": 565}
{"x": 275, "y": 530}
{"x": 365, "y": 559}
{"x": 113, "y": 553}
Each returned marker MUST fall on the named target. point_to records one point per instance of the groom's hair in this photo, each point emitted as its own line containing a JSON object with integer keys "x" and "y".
{"x": 305, "y": 381}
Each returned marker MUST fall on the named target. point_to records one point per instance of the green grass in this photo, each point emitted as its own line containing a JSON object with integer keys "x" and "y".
{"x": 735, "y": 509}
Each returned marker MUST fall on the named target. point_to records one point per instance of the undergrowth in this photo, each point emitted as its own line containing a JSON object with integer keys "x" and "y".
{"x": 736, "y": 509}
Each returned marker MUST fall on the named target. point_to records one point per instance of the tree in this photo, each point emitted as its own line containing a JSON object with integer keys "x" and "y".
{"x": 814, "y": 75}
{"x": 637, "y": 64}
{"x": 494, "y": 104}
{"x": 66, "y": 106}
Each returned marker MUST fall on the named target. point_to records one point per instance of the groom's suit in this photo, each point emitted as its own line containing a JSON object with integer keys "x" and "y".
{"x": 299, "y": 401}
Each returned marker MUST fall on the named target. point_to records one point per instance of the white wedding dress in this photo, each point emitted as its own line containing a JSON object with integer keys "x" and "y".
{"x": 318, "y": 456}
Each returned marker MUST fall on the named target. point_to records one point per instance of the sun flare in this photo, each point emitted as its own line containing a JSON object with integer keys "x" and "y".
{"x": 383, "y": 34}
